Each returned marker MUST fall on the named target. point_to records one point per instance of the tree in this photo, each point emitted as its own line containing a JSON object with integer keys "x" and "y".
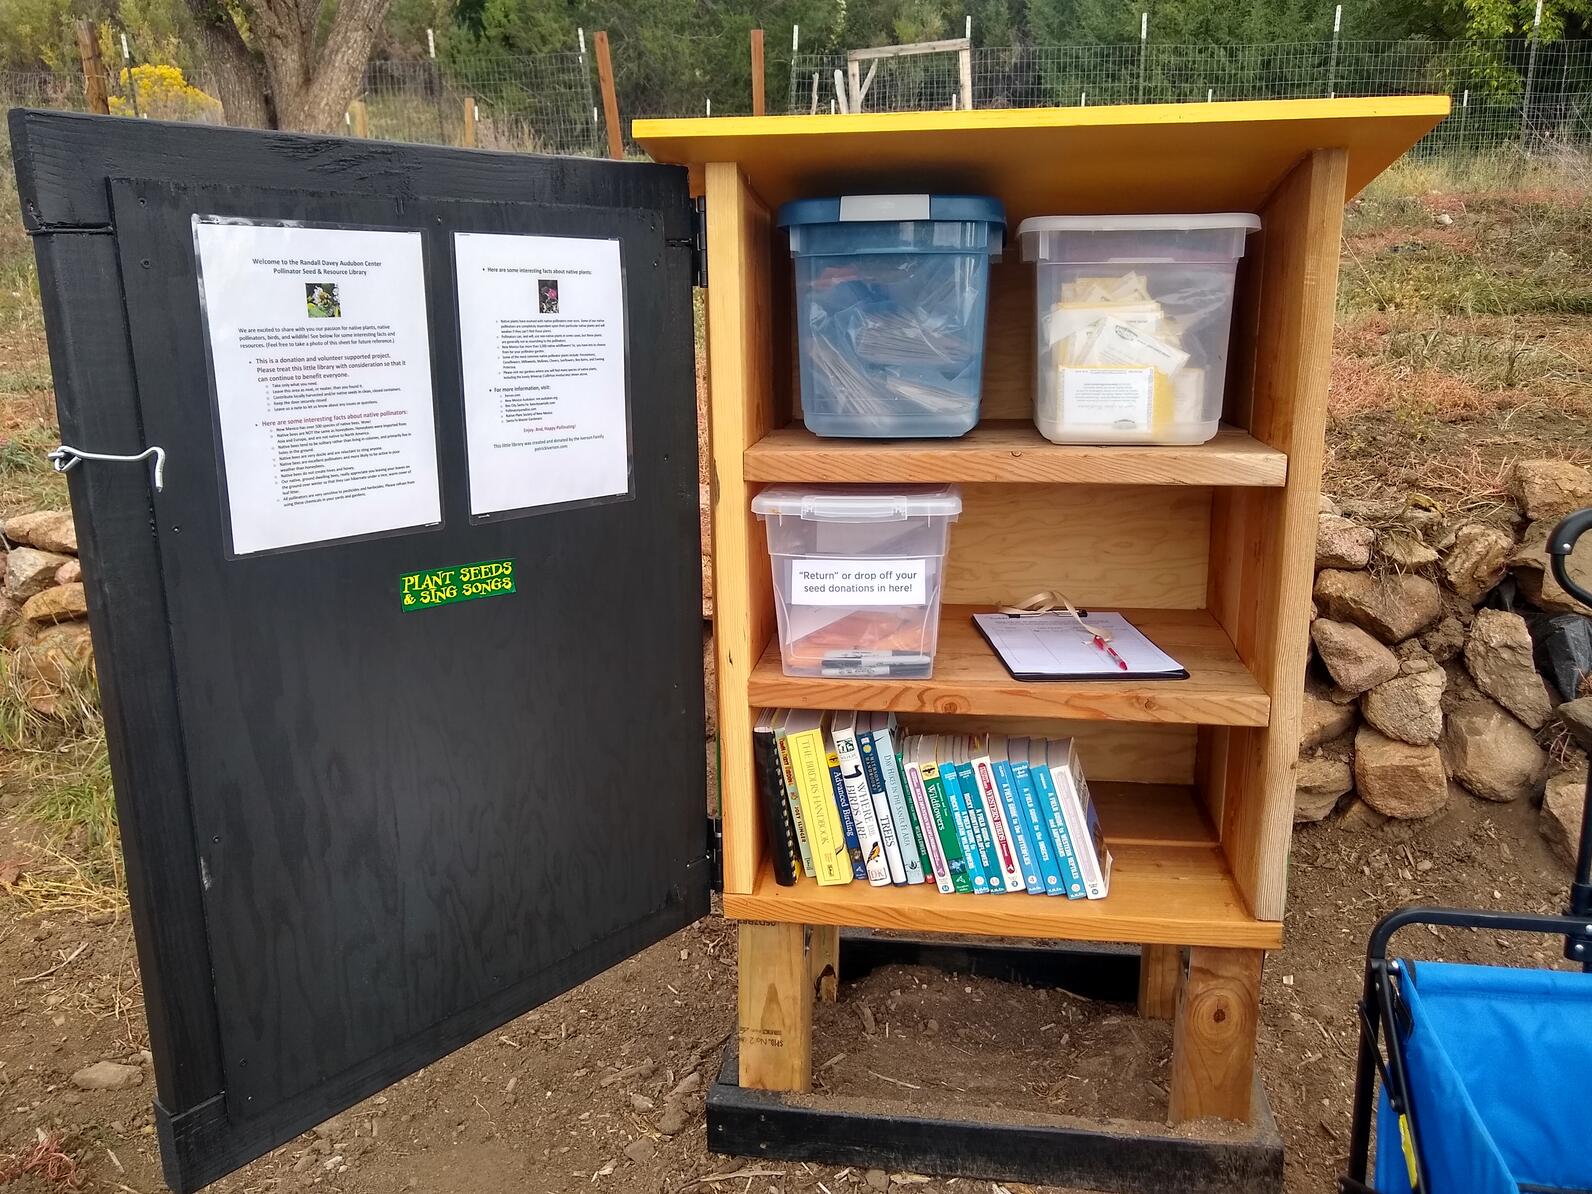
{"x": 288, "y": 64}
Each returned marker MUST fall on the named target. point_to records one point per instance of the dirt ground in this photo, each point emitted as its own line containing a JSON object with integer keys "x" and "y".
{"x": 528, "y": 1108}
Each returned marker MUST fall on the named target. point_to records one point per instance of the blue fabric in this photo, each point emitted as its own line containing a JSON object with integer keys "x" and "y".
{"x": 1500, "y": 1071}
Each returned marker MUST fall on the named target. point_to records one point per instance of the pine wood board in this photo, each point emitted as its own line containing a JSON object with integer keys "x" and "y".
{"x": 969, "y": 678}
{"x": 1012, "y": 450}
{"x": 1174, "y": 891}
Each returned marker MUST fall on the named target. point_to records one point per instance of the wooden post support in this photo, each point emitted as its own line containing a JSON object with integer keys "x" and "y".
{"x": 1160, "y": 970}
{"x": 775, "y": 1008}
{"x": 605, "y": 80}
{"x": 757, "y": 73}
{"x": 823, "y": 957}
{"x": 469, "y": 122}
{"x": 1213, "y": 1035}
{"x": 361, "y": 117}
{"x": 964, "y": 71}
{"x": 95, "y": 96}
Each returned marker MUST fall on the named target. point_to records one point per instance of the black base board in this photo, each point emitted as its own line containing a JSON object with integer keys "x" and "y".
{"x": 920, "y": 1137}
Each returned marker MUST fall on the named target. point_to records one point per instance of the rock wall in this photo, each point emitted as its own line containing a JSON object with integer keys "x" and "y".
{"x": 43, "y": 607}
{"x": 1447, "y": 663}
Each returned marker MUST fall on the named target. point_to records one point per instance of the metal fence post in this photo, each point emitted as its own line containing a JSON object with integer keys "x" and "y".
{"x": 1144, "y": 43}
{"x": 1332, "y": 59}
{"x": 1531, "y": 74}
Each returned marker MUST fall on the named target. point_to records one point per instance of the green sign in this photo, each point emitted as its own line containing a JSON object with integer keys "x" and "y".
{"x": 463, "y": 582}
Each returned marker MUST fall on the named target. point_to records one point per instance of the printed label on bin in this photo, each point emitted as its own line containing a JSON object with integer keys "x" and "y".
{"x": 1118, "y": 398}
{"x": 859, "y": 582}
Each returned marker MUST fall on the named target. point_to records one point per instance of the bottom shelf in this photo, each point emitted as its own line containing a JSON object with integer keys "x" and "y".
{"x": 1170, "y": 885}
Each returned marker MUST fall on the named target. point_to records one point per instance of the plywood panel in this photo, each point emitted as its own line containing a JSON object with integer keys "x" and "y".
{"x": 742, "y": 409}
{"x": 1132, "y": 752}
{"x": 1263, "y": 541}
{"x": 1103, "y": 545}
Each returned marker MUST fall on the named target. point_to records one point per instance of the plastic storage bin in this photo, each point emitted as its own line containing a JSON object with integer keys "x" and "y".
{"x": 891, "y": 295}
{"x": 857, "y": 576}
{"x": 1134, "y": 315}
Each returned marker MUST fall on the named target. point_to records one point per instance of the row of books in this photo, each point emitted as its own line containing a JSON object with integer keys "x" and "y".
{"x": 848, "y": 797}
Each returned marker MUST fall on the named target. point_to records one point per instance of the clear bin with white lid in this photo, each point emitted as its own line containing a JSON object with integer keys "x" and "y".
{"x": 1134, "y": 314}
{"x": 857, "y": 575}
{"x": 892, "y": 293}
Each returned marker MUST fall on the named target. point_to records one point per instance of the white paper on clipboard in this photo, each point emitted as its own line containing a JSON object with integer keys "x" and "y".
{"x": 1054, "y": 647}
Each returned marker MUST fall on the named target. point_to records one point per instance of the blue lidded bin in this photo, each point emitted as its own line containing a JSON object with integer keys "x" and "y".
{"x": 891, "y": 297}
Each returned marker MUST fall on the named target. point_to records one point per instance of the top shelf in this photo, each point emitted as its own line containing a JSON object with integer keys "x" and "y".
{"x": 1043, "y": 161}
{"x": 1012, "y": 450}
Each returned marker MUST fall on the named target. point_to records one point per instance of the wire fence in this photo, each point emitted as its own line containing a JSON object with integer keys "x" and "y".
{"x": 1505, "y": 91}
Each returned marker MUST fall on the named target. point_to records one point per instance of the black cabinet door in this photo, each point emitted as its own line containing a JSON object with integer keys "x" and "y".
{"x": 360, "y": 835}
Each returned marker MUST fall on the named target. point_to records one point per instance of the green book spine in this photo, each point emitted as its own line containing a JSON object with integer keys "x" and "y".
{"x": 945, "y": 828}
{"x": 912, "y": 819}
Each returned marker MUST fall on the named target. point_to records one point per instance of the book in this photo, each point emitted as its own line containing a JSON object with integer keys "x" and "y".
{"x": 804, "y": 731}
{"x": 994, "y": 873}
{"x": 923, "y": 814}
{"x": 792, "y": 800}
{"x": 854, "y": 726}
{"x": 863, "y": 813}
{"x": 1017, "y": 825}
{"x": 848, "y": 828}
{"x": 878, "y": 746}
{"x": 777, "y": 828}
{"x": 962, "y": 801}
{"x": 1014, "y": 751}
{"x": 1005, "y": 842}
{"x": 1055, "y": 820}
{"x": 1083, "y": 820}
{"x": 944, "y": 814}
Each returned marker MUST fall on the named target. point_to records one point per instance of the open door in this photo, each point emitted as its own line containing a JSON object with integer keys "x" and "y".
{"x": 402, "y": 675}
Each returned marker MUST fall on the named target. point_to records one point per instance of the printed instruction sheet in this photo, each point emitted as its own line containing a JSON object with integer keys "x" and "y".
{"x": 321, "y": 357}
{"x": 542, "y": 337}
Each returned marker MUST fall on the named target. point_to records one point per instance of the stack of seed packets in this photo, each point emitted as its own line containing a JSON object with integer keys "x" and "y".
{"x": 1116, "y": 350}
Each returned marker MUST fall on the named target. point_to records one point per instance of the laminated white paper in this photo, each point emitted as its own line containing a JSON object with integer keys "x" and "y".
{"x": 821, "y": 581}
{"x": 542, "y": 337}
{"x": 321, "y": 356}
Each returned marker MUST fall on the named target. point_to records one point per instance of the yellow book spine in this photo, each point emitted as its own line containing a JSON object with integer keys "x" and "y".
{"x": 817, "y": 796}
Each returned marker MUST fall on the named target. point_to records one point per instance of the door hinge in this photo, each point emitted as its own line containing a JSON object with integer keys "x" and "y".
{"x": 716, "y": 851}
{"x": 699, "y": 240}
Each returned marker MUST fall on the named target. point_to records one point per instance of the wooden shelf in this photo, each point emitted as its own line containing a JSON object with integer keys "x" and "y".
{"x": 1170, "y": 885}
{"x": 969, "y": 678}
{"x": 1013, "y": 450}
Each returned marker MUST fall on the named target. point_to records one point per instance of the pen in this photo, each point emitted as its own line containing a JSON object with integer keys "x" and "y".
{"x": 1100, "y": 642}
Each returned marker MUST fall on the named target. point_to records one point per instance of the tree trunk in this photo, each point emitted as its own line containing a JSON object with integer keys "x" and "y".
{"x": 238, "y": 78}
{"x": 313, "y": 85}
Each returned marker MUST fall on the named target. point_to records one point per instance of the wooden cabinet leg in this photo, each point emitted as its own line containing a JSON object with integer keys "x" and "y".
{"x": 823, "y": 954}
{"x": 775, "y": 1008}
{"x": 1160, "y": 969}
{"x": 1213, "y": 1034}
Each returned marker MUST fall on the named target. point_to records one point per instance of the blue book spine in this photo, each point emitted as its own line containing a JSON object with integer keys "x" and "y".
{"x": 964, "y": 829}
{"x": 1050, "y": 802}
{"x": 1034, "y": 822}
{"x": 847, "y": 825}
{"x": 1017, "y": 823}
{"x": 981, "y": 831}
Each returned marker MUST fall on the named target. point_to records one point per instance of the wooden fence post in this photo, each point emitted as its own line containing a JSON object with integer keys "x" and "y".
{"x": 469, "y": 122}
{"x": 361, "y": 117}
{"x": 605, "y": 79}
{"x": 95, "y": 98}
{"x": 757, "y": 73}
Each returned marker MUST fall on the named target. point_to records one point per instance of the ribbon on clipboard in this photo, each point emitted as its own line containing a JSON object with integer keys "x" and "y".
{"x": 1053, "y": 601}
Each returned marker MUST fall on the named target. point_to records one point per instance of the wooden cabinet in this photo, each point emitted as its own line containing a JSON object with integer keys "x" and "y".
{"x": 1208, "y": 548}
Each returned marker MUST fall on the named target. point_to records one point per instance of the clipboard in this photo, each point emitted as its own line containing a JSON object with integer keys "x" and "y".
{"x": 1052, "y": 646}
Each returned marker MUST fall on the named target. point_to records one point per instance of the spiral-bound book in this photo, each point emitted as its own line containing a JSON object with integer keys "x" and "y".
{"x": 777, "y": 826}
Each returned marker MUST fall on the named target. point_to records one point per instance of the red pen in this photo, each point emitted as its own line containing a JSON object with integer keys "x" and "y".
{"x": 1100, "y": 642}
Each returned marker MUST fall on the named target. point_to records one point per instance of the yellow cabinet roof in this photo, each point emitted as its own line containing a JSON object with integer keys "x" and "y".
{"x": 1130, "y": 158}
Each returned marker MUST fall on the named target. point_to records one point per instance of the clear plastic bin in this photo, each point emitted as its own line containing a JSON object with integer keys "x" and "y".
{"x": 891, "y": 296}
{"x": 1134, "y": 315}
{"x": 857, "y": 575}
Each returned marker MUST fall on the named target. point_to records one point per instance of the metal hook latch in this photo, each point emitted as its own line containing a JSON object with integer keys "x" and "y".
{"x": 66, "y": 457}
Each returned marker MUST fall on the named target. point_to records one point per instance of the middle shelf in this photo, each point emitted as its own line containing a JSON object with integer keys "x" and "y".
{"x": 969, "y": 678}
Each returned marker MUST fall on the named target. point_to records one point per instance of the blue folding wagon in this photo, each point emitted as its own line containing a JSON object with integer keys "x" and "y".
{"x": 1485, "y": 1086}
